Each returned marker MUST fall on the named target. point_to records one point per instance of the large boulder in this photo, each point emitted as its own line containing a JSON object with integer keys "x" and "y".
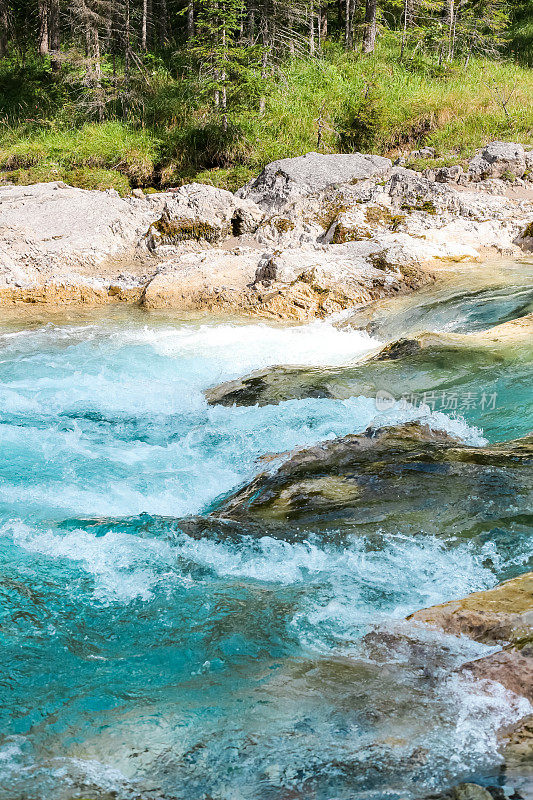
{"x": 407, "y": 478}
{"x": 203, "y": 213}
{"x": 290, "y": 178}
{"x": 498, "y": 159}
{"x": 54, "y": 232}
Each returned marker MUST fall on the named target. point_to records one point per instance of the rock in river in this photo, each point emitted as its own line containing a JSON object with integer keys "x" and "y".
{"x": 406, "y": 478}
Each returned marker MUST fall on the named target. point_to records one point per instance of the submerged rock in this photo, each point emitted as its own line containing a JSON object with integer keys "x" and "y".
{"x": 409, "y": 365}
{"x": 407, "y": 478}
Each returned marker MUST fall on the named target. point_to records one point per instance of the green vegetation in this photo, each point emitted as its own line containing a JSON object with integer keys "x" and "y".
{"x": 208, "y": 97}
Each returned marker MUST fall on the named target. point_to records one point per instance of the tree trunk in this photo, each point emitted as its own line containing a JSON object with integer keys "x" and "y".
{"x": 369, "y": 35}
{"x": 190, "y": 20}
{"x": 250, "y": 26}
{"x": 42, "y": 6}
{"x": 348, "y": 25}
{"x": 55, "y": 34}
{"x": 4, "y": 28}
{"x": 127, "y": 59}
{"x": 264, "y": 58}
{"x": 144, "y": 25}
{"x": 163, "y": 23}
{"x": 323, "y": 22}
{"x": 311, "y": 30}
{"x": 450, "y": 24}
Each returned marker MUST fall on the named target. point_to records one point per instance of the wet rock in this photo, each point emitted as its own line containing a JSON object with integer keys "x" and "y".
{"x": 497, "y": 160}
{"x": 501, "y": 615}
{"x": 512, "y": 667}
{"x": 518, "y": 754}
{"x": 290, "y": 178}
{"x": 470, "y": 791}
{"x": 409, "y": 477}
{"x": 418, "y": 360}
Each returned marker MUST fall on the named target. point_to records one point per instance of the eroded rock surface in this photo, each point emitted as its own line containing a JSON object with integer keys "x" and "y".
{"x": 409, "y": 477}
{"x": 290, "y": 178}
{"x": 503, "y": 615}
{"x": 500, "y": 616}
{"x": 500, "y": 158}
{"x": 421, "y": 368}
{"x": 203, "y": 213}
{"x": 311, "y": 235}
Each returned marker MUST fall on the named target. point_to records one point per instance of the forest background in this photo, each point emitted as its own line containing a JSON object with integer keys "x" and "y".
{"x": 155, "y": 93}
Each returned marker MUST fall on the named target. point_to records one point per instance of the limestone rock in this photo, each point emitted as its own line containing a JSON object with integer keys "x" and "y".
{"x": 290, "y": 178}
{"x": 497, "y": 159}
{"x": 203, "y": 213}
{"x": 407, "y": 477}
{"x": 214, "y": 279}
{"x": 296, "y": 285}
{"x": 503, "y": 615}
{"x": 50, "y": 231}
{"x": 497, "y": 616}
{"x": 449, "y": 174}
{"x": 470, "y": 791}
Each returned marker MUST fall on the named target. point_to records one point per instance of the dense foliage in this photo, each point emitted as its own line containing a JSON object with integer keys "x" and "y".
{"x": 152, "y": 92}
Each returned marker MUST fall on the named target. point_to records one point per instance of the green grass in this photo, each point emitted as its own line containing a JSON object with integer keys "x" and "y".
{"x": 376, "y": 104}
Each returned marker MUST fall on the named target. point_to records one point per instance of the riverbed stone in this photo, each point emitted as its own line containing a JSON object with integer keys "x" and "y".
{"x": 409, "y": 477}
{"x": 372, "y": 373}
{"x": 502, "y": 615}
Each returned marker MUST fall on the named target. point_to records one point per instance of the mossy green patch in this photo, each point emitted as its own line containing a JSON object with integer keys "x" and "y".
{"x": 427, "y": 206}
{"x": 181, "y": 230}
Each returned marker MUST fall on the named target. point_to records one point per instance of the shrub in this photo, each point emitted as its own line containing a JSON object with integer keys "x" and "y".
{"x": 362, "y": 124}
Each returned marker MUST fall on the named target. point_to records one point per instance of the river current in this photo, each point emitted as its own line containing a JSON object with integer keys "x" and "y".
{"x": 139, "y": 662}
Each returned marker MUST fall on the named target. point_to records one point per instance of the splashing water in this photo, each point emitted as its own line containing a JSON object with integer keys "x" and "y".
{"x": 144, "y": 662}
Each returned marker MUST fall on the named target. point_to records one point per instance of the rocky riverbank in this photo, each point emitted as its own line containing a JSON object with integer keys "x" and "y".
{"x": 433, "y": 482}
{"x": 310, "y": 236}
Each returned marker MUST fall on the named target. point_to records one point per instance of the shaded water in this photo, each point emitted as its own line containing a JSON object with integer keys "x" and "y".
{"x": 146, "y": 662}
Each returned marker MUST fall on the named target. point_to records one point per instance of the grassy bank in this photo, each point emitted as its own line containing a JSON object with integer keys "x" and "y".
{"x": 379, "y": 104}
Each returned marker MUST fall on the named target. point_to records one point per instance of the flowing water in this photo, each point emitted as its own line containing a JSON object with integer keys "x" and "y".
{"x": 140, "y": 662}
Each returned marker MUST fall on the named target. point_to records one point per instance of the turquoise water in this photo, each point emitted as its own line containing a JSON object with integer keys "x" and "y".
{"x": 144, "y": 662}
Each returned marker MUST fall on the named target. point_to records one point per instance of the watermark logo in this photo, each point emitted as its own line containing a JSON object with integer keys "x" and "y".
{"x": 451, "y": 401}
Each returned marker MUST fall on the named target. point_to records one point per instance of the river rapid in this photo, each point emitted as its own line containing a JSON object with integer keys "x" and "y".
{"x": 141, "y": 662}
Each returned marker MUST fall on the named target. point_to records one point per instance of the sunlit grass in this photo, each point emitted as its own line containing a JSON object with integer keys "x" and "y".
{"x": 379, "y": 103}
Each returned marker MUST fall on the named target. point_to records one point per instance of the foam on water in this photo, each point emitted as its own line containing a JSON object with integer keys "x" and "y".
{"x": 201, "y": 648}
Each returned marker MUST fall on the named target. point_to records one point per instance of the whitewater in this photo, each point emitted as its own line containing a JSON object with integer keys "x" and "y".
{"x": 144, "y": 662}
